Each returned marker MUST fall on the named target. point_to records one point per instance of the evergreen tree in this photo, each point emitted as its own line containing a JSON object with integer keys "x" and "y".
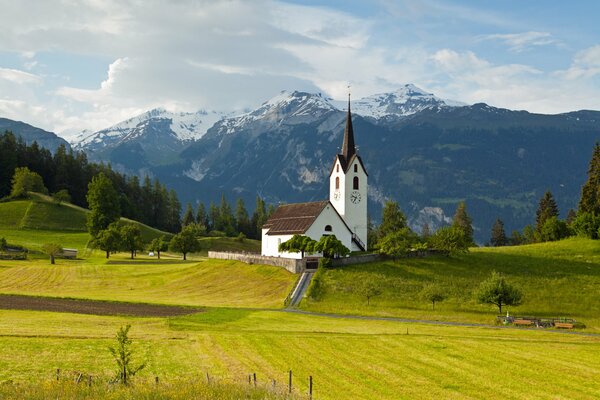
{"x": 202, "y": 216}
{"x": 516, "y": 238}
{"x": 547, "y": 208}
{"x": 463, "y": 221}
{"x": 215, "y": 217}
{"x": 241, "y": 218}
{"x": 571, "y": 215}
{"x": 498, "y": 236}
{"x": 590, "y": 192}
{"x": 188, "y": 216}
{"x": 104, "y": 204}
{"x": 226, "y": 216}
{"x": 8, "y": 161}
{"x": 425, "y": 231}
{"x": 392, "y": 219}
{"x": 174, "y": 212}
{"x": 259, "y": 217}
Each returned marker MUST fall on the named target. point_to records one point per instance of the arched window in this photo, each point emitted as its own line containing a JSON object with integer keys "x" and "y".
{"x": 355, "y": 183}
{"x": 328, "y": 228}
{"x": 337, "y": 182}
{"x": 355, "y": 167}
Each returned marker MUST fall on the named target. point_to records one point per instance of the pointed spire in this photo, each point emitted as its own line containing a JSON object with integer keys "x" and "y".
{"x": 348, "y": 148}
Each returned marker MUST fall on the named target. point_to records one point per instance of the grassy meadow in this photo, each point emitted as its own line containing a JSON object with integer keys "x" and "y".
{"x": 558, "y": 279}
{"x": 243, "y": 328}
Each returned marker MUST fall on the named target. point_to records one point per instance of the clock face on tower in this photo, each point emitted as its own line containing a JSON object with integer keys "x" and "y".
{"x": 337, "y": 195}
{"x": 355, "y": 197}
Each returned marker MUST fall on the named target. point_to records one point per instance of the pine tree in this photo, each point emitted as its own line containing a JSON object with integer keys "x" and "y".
{"x": 463, "y": 221}
{"x": 425, "y": 231}
{"x": 188, "y": 216}
{"x": 590, "y": 192}
{"x": 174, "y": 212}
{"x": 215, "y": 217}
{"x": 259, "y": 217}
{"x": 392, "y": 219}
{"x": 571, "y": 215}
{"x": 241, "y": 218}
{"x": 202, "y": 216}
{"x": 547, "y": 208}
{"x": 227, "y": 219}
{"x": 498, "y": 235}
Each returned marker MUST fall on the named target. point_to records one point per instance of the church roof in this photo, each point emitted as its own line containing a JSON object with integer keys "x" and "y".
{"x": 348, "y": 147}
{"x": 289, "y": 219}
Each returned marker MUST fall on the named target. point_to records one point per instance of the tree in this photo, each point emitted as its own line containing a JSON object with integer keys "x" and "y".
{"x": 497, "y": 291}
{"x": 425, "y": 231}
{"x": 463, "y": 221}
{"x": 123, "y": 355}
{"x": 241, "y": 218}
{"x": 547, "y": 208}
{"x": 202, "y": 216}
{"x": 398, "y": 243}
{"x": 52, "y": 250}
{"x": 369, "y": 287}
{"x": 226, "y": 217}
{"x": 215, "y": 217}
{"x": 131, "y": 237}
{"x": 530, "y": 235}
{"x": 331, "y": 247}
{"x": 108, "y": 240}
{"x": 298, "y": 243}
{"x": 554, "y": 229}
{"x": 451, "y": 239}
{"x": 498, "y": 236}
{"x": 62, "y": 196}
{"x": 188, "y": 216}
{"x": 259, "y": 217}
{"x": 392, "y": 219}
{"x": 516, "y": 238}
{"x": 185, "y": 241}
{"x": 433, "y": 293}
{"x": 158, "y": 244}
{"x": 571, "y": 215}
{"x": 586, "y": 224}
{"x": 25, "y": 181}
{"x": 590, "y": 191}
{"x": 103, "y": 202}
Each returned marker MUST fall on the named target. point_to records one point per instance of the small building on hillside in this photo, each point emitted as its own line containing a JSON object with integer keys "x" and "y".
{"x": 344, "y": 214}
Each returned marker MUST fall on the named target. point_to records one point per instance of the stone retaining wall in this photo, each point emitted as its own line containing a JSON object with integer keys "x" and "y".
{"x": 365, "y": 258}
{"x": 293, "y": 265}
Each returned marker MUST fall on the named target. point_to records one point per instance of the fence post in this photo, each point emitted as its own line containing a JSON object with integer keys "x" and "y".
{"x": 290, "y": 383}
{"x": 249, "y": 379}
{"x": 207, "y": 378}
{"x": 57, "y": 374}
{"x": 310, "y": 386}
{"x": 254, "y": 377}
{"x": 156, "y": 380}
{"x": 89, "y": 380}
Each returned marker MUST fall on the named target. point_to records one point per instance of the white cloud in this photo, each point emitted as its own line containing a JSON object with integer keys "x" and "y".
{"x": 586, "y": 64}
{"x": 17, "y": 76}
{"x": 519, "y": 42}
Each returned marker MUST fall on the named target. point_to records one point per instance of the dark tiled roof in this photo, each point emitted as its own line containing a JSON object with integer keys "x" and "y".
{"x": 290, "y": 219}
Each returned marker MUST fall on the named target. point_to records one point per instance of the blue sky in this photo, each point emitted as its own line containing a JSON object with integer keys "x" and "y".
{"x": 67, "y": 66}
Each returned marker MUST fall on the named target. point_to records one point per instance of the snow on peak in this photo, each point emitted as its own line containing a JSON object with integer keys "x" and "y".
{"x": 406, "y": 100}
{"x": 184, "y": 126}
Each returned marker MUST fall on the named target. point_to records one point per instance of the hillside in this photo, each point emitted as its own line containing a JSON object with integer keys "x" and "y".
{"x": 558, "y": 279}
{"x": 31, "y": 134}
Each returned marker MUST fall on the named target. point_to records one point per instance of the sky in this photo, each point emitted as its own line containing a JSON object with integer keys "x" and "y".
{"x": 69, "y": 65}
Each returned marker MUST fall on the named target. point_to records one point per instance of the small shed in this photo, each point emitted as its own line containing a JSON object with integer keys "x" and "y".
{"x": 69, "y": 253}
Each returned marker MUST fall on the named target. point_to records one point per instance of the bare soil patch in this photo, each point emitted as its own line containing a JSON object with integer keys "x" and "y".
{"x": 93, "y": 307}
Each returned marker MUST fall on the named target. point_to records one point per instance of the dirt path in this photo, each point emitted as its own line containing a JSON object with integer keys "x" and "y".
{"x": 93, "y": 307}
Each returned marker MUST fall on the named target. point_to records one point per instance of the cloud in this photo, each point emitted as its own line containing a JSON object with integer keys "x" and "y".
{"x": 519, "y": 42}
{"x": 19, "y": 77}
{"x": 586, "y": 64}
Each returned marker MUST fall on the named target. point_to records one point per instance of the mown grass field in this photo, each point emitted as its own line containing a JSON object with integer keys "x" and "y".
{"x": 558, "y": 279}
{"x": 348, "y": 358}
{"x": 167, "y": 281}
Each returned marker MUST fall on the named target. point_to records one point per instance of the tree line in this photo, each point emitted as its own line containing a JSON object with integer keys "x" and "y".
{"x": 583, "y": 222}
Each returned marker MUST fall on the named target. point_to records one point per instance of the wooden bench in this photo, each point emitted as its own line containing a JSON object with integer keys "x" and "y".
{"x": 563, "y": 325}
{"x": 524, "y": 322}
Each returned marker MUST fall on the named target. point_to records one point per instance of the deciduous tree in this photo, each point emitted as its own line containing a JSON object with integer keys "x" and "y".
{"x": 103, "y": 202}
{"x": 298, "y": 243}
{"x": 451, "y": 239}
{"x": 109, "y": 239}
{"x": 331, "y": 247}
{"x": 62, "y": 196}
{"x": 497, "y": 291}
{"x": 123, "y": 355}
{"x": 433, "y": 293}
{"x": 158, "y": 244}
{"x": 131, "y": 237}
{"x": 25, "y": 181}
{"x": 52, "y": 250}
{"x": 185, "y": 241}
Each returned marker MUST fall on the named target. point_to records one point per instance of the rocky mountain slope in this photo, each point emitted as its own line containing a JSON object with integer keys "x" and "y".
{"x": 32, "y": 134}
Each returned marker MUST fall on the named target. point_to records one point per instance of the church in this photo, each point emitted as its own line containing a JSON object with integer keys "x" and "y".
{"x": 343, "y": 215}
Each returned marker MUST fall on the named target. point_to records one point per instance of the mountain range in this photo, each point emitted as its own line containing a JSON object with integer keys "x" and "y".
{"x": 423, "y": 151}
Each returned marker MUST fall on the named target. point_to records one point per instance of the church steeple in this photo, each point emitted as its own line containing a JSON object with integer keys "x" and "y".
{"x": 348, "y": 147}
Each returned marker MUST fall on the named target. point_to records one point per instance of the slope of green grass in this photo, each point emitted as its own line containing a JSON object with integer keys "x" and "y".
{"x": 347, "y": 358}
{"x": 560, "y": 279}
{"x": 228, "y": 244}
{"x": 146, "y": 279}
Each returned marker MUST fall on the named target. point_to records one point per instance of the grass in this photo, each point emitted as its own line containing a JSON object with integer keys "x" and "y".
{"x": 228, "y": 244}
{"x": 347, "y": 358}
{"x": 559, "y": 279}
{"x": 168, "y": 281}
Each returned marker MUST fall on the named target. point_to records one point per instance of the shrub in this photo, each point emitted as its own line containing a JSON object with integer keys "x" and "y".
{"x": 554, "y": 229}
{"x": 586, "y": 224}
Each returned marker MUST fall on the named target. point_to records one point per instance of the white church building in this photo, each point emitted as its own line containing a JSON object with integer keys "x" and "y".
{"x": 343, "y": 215}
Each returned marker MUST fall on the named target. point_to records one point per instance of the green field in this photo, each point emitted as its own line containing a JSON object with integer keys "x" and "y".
{"x": 244, "y": 330}
{"x": 558, "y": 279}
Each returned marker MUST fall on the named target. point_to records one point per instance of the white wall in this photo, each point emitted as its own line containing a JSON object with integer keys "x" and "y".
{"x": 270, "y": 245}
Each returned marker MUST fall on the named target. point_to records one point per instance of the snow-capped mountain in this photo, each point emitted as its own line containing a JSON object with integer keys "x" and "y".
{"x": 182, "y": 126}
{"x": 155, "y": 137}
{"x": 407, "y": 100}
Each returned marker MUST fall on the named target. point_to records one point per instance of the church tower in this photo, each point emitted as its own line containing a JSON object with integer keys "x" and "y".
{"x": 348, "y": 187}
